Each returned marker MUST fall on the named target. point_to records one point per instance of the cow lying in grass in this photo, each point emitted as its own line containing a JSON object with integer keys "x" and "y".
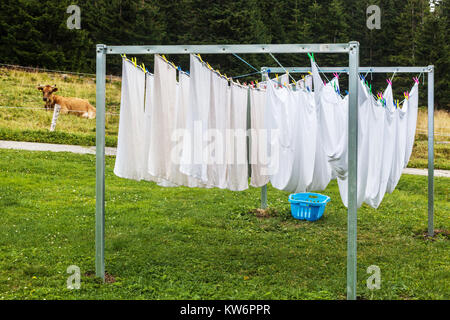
{"x": 80, "y": 107}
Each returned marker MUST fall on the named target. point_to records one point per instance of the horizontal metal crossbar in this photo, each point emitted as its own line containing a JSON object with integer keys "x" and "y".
{"x": 229, "y": 48}
{"x": 345, "y": 69}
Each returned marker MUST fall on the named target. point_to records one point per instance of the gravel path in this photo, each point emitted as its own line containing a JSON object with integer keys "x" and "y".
{"x": 34, "y": 146}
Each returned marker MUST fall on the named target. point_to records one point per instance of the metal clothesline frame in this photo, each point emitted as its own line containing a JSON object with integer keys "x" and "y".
{"x": 396, "y": 69}
{"x": 351, "y": 48}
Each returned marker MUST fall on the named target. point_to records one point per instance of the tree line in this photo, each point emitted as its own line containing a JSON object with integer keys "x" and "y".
{"x": 34, "y": 33}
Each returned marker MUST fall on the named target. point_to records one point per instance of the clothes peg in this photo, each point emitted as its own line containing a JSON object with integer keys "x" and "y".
{"x": 406, "y": 95}
{"x": 335, "y": 75}
{"x": 346, "y": 92}
{"x": 311, "y": 56}
{"x": 416, "y": 80}
{"x": 134, "y": 60}
{"x": 276, "y": 76}
{"x": 309, "y": 72}
{"x": 200, "y": 57}
{"x": 389, "y": 81}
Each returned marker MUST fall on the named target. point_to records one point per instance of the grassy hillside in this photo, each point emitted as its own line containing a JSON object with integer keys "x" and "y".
{"x": 32, "y": 123}
{"x": 18, "y": 90}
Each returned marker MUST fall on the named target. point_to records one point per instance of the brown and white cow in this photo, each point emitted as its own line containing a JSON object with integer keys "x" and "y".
{"x": 80, "y": 107}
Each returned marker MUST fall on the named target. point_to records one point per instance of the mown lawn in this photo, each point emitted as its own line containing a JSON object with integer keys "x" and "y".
{"x": 180, "y": 243}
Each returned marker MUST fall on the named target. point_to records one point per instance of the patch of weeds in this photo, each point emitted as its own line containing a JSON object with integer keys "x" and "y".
{"x": 438, "y": 234}
{"x": 264, "y": 213}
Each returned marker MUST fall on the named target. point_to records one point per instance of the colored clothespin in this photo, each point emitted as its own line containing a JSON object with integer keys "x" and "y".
{"x": 200, "y": 57}
{"x": 143, "y": 66}
{"x": 252, "y": 83}
{"x": 311, "y": 56}
{"x": 209, "y": 67}
{"x": 276, "y": 76}
{"x": 165, "y": 59}
{"x": 389, "y": 81}
{"x": 406, "y": 95}
{"x": 416, "y": 80}
{"x": 335, "y": 75}
{"x": 370, "y": 89}
{"x": 134, "y": 61}
{"x": 309, "y": 72}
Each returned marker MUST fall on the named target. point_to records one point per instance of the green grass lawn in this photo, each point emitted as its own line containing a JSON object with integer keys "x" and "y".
{"x": 180, "y": 243}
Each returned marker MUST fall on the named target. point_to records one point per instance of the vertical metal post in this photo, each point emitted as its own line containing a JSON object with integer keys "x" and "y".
{"x": 264, "y": 187}
{"x": 352, "y": 170}
{"x": 431, "y": 151}
{"x": 249, "y": 140}
{"x": 100, "y": 163}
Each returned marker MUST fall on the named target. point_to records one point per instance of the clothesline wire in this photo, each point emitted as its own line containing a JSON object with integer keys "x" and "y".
{"x": 276, "y": 60}
{"x": 234, "y": 54}
{"x": 246, "y": 75}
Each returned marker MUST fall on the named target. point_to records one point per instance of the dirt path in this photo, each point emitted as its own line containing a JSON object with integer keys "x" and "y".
{"x": 34, "y": 146}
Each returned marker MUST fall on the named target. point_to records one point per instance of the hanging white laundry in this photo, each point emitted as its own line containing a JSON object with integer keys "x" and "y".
{"x": 130, "y": 143}
{"x": 194, "y": 158}
{"x": 375, "y": 141}
{"x": 166, "y": 112}
{"x": 236, "y": 143}
{"x": 278, "y": 119}
{"x": 179, "y": 118}
{"x": 333, "y": 119}
{"x": 389, "y": 141}
{"x": 413, "y": 104}
{"x": 304, "y": 139}
{"x": 370, "y": 151}
{"x": 162, "y": 122}
{"x": 322, "y": 169}
{"x": 259, "y": 159}
{"x": 406, "y": 118}
{"x": 284, "y": 79}
{"x": 217, "y": 125}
